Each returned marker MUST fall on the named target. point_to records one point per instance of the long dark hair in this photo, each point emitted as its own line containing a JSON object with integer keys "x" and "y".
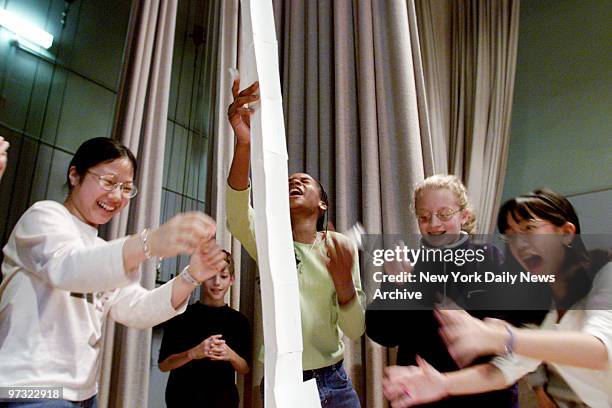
{"x": 322, "y": 220}
{"x": 579, "y": 265}
{"x": 95, "y": 151}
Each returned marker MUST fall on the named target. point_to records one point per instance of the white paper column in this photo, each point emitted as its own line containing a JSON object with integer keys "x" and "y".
{"x": 279, "y": 285}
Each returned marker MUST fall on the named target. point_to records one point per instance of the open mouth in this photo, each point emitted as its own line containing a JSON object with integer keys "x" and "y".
{"x": 295, "y": 191}
{"x": 106, "y": 207}
{"x": 532, "y": 262}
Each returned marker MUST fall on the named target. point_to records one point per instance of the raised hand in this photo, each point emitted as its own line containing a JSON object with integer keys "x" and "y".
{"x": 238, "y": 113}
{"x": 414, "y": 385}
{"x": 467, "y": 337}
{"x": 4, "y": 145}
{"x": 340, "y": 265}
{"x": 208, "y": 260}
{"x": 181, "y": 235}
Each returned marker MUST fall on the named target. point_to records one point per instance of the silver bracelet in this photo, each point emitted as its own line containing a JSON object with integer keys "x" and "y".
{"x": 144, "y": 235}
{"x": 509, "y": 346}
{"x": 186, "y": 276}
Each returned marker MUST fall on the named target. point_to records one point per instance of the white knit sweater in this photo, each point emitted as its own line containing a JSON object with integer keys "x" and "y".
{"x": 61, "y": 282}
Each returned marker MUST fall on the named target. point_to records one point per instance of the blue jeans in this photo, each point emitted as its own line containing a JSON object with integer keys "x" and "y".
{"x": 50, "y": 403}
{"x": 335, "y": 388}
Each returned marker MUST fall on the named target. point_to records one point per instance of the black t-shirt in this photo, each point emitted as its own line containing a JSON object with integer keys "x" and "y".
{"x": 204, "y": 383}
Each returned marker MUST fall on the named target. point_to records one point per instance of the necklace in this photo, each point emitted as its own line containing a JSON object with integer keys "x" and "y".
{"x": 298, "y": 260}
{"x": 313, "y": 244}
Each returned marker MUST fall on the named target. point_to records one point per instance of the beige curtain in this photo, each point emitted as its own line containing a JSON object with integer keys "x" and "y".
{"x": 470, "y": 50}
{"x": 374, "y": 102}
{"x": 243, "y": 292}
{"x": 356, "y": 116}
{"x": 351, "y": 74}
{"x": 141, "y": 125}
{"x": 434, "y": 26}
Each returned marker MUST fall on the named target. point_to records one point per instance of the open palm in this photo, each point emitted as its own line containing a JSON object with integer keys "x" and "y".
{"x": 414, "y": 385}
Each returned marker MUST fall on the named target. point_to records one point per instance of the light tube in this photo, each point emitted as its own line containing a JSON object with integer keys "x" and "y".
{"x": 25, "y": 29}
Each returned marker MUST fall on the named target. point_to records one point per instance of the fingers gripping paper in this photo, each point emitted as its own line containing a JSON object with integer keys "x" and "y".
{"x": 280, "y": 294}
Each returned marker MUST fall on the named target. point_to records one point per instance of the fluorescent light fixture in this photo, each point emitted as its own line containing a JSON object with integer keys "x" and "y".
{"x": 25, "y": 29}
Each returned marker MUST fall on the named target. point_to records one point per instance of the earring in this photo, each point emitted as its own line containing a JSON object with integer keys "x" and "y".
{"x": 569, "y": 245}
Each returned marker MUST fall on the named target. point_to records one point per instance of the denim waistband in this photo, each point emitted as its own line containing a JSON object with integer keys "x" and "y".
{"x": 322, "y": 370}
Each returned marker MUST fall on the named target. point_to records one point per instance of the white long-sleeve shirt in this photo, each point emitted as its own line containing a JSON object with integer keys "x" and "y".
{"x": 592, "y": 315}
{"x": 61, "y": 282}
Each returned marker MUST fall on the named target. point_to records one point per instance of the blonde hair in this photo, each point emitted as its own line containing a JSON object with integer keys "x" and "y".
{"x": 455, "y": 186}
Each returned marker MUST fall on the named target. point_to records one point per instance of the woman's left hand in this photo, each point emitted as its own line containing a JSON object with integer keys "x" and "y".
{"x": 340, "y": 267}
{"x": 207, "y": 261}
{"x": 467, "y": 337}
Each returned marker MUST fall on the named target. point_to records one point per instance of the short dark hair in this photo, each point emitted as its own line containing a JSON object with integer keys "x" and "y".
{"x": 95, "y": 151}
{"x": 549, "y": 206}
{"x": 553, "y": 207}
{"x": 544, "y": 203}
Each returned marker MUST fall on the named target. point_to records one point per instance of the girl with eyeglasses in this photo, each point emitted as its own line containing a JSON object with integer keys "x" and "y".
{"x": 60, "y": 281}
{"x": 446, "y": 221}
{"x": 574, "y": 342}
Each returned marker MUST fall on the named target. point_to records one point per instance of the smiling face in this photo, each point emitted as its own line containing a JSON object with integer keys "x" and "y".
{"x": 89, "y": 201}
{"x": 538, "y": 245}
{"x": 215, "y": 288}
{"x": 305, "y": 195}
{"x": 440, "y": 216}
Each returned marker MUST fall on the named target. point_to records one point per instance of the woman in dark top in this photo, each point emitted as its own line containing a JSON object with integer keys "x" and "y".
{"x": 445, "y": 219}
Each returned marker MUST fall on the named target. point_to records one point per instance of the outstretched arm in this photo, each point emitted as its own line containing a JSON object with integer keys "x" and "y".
{"x": 240, "y": 218}
{"x": 416, "y": 385}
{"x": 459, "y": 330}
{"x": 207, "y": 260}
{"x": 239, "y": 115}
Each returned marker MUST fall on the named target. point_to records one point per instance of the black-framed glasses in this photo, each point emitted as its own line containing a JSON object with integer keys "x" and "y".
{"x": 443, "y": 214}
{"x": 108, "y": 182}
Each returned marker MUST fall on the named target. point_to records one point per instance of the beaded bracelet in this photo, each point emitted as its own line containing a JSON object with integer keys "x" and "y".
{"x": 145, "y": 244}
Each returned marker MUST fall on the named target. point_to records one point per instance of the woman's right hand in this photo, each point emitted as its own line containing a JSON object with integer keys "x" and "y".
{"x": 239, "y": 114}
{"x": 207, "y": 261}
{"x": 413, "y": 385}
{"x": 181, "y": 235}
